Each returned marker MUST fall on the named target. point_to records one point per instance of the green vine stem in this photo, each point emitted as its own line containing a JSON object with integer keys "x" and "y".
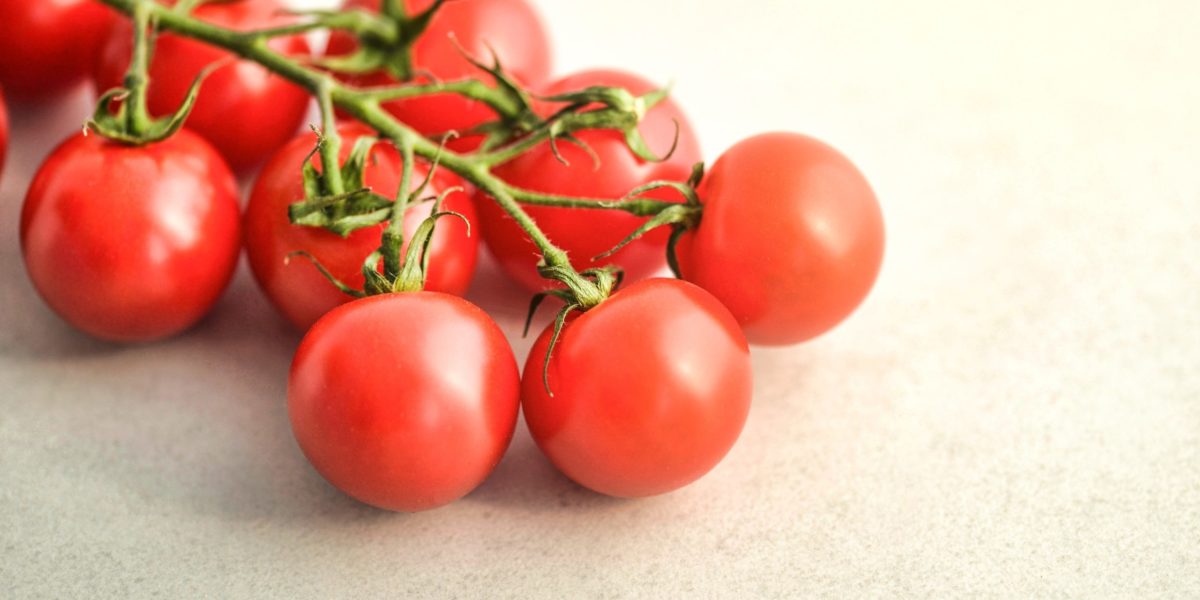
{"x": 366, "y": 106}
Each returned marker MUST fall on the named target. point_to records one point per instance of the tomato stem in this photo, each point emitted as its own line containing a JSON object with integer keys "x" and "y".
{"x": 619, "y": 111}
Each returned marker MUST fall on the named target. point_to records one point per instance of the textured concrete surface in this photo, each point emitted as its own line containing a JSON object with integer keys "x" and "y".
{"x": 1014, "y": 413}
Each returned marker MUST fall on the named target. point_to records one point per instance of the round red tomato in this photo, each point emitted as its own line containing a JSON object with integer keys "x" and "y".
{"x": 651, "y": 390}
{"x": 131, "y": 243}
{"x": 295, "y": 286}
{"x": 583, "y": 233}
{"x": 47, "y": 47}
{"x": 245, "y": 111}
{"x": 806, "y": 255}
{"x": 512, "y": 27}
{"x": 404, "y": 401}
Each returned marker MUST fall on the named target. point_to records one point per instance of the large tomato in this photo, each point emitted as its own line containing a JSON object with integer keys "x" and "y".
{"x": 131, "y": 243}
{"x": 512, "y": 27}
{"x": 245, "y": 111}
{"x": 587, "y": 233}
{"x": 47, "y": 47}
{"x": 295, "y": 286}
{"x": 650, "y": 390}
{"x": 404, "y": 401}
{"x": 791, "y": 239}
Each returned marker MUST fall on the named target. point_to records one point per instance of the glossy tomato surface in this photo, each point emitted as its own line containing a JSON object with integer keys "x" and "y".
{"x": 585, "y": 234}
{"x": 791, "y": 240}
{"x": 295, "y": 286}
{"x": 47, "y": 46}
{"x": 131, "y": 243}
{"x": 512, "y": 27}
{"x": 651, "y": 390}
{"x": 245, "y": 111}
{"x": 405, "y": 401}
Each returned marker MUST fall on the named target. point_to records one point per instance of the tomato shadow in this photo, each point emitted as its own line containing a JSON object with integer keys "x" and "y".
{"x": 525, "y": 480}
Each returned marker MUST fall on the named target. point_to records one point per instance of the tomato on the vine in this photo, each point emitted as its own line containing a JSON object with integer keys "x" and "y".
{"x": 404, "y": 401}
{"x": 804, "y": 254}
{"x": 131, "y": 243}
{"x": 650, "y": 390}
{"x": 295, "y": 286}
{"x": 585, "y": 234}
{"x": 47, "y": 47}
{"x": 512, "y": 28}
{"x": 244, "y": 110}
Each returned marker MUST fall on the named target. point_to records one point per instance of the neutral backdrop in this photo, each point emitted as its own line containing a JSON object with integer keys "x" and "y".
{"x": 1015, "y": 412}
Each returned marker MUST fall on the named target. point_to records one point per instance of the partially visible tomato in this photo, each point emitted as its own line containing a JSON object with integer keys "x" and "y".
{"x": 583, "y": 233}
{"x": 404, "y": 401}
{"x": 791, "y": 239}
{"x": 131, "y": 243}
{"x": 244, "y": 110}
{"x": 651, "y": 390}
{"x": 3, "y": 130}
{"x": 47, "y": 47}
{"x": 295, "y": 286}
{"x": 512, "y": 27}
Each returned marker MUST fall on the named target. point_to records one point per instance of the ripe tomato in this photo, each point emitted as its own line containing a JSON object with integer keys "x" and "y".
{"x": 47, "y": 47}
{"x": 245, "y": 111}
{"x": 404, "y": 401}
{"x": 295, "y": 286}
{"x": 512, "y": 27}
{"x": 651, "y": 390}
{"x": 131, "y": 243}
{"x": 807, "y": 254}
{"x": 583, "y": 233}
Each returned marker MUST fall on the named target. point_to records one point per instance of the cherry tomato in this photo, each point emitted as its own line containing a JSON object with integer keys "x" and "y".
{"x": 651, "y": 390}
{"x": 404, "y": 401}
{"x": 806, "y": 255}
{"x": 47, "y": 47}
{"x": 582, "y": 233}
{"x": 512, "y": 27}
{"x": 295, "y": 286}
{"x": 131, "y": 243}
{"x": 245, "y": 111}
{"x": 3, "y": 130}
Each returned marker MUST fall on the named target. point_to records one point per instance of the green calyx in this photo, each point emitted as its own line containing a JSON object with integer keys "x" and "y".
{"x": 385, "y": 39}
{"x": 576, "y": 298}
{"x": 122, "y": 114}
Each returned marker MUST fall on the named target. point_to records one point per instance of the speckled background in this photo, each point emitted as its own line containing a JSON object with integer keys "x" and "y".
{"x": 1014, "y": 413}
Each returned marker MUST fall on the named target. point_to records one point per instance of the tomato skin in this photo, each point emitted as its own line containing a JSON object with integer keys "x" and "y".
{"x": 243, "y": 110}
{"x": 295, "y": 286}
{"x": 47, "y": 47}
{"x": 807, "y": 254}
{"x": 404, "y": 401}
{"x": 513, "y": 28}
{"x": 583, "y": 233}
{"x": 131, "y": 244}
{"x": 651, "y": 390}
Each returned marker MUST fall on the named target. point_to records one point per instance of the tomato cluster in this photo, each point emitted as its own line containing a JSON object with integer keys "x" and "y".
{"x": 408, "y": 400}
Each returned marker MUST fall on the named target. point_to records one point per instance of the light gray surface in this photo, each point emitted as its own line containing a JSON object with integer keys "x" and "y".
{"x": 1014, "y": 413}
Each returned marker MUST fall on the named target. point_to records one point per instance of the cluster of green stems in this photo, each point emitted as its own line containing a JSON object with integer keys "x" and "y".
{"x": 366, "y": 105}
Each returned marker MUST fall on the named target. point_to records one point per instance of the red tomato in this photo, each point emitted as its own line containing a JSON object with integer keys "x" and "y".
{"x": 807, "y": 254}
{"x": 404, "y": 401}
{"x": 3, "y": 130}
{"x": 582, "y": 233}
{"x": 651, "y": 390}
{"x": 47, "y": 47}
{"x": 131, "y": 243}
{"x": 512, "y": 27}
{"x": 295, "y": 286}
{"x": 245, "y": 111}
